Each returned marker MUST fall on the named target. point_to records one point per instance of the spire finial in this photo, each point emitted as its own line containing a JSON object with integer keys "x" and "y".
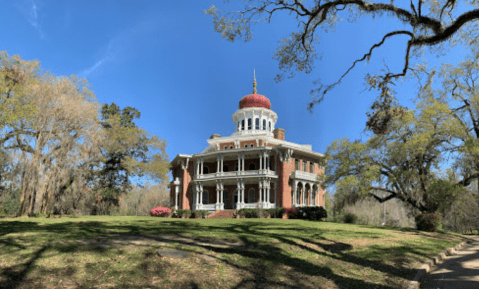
{"x": 254, "y": 82}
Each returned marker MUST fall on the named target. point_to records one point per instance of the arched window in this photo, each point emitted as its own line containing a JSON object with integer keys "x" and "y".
{"x": 305, "y": 166}
{"x": 226, "y": 147}
{"x": 251, "y": 196}
{"x": 264, "y": 124}
{"x": 296, "y": 164}
{"x": 245, "y": 145}
{"x": 250, "y": 124}
{"x": 269, "y": 126}
{"x": 242, "y": 124}
{"x": 225, "y": 168}
{"x": 251, "y": 145}
{"x": 251, "y": 167}
{"x": 311, "y": 167}
{"x": 231, "y": 147}
{"x": 205, "y": 170}
{"x": 206, "y": 197}
{"x": 256, "y": 122}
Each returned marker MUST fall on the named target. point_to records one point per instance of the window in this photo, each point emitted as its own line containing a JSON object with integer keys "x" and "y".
{"x": 304, "y": 166}
{"x": 205, "y": 170}
{"x": 269, "y": 126}
{"x": 226, "y": 147}
{"x": 256, "y": 122}
{"x": 245, "y": 145}
{"x": 251, "y": 196}
{"x": 264, "y": 124}
{"x": 236, "y": 166}
{"x": 242, "y": 124}
{"x": 311, "y": 167}
{"x": 231, "y": 147}
{"x": 251, "y": 145}
{"x": 205, "y": 197}
{"x": 251, "y": 167}
{"x": 225, "y": 168}
{"x": 249, "y": 124}
{"x": 296, "y": 164}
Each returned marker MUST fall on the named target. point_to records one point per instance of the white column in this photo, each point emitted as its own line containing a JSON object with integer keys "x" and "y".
{"x": 238, "y": 191}
{"x": 221, "y": 165}
{"x": 177, "y": 190}
{"x": 260, "y": 189}
{"x": 218, "y": 164}
{"x": 201, "y": 167}
{"x": 197, "y": 167}
{"x": 201, "y": 195}
{"x": 275, "y": 193}
{"x": 267, "y": 159}
{"x": 295, "y": 192}
{"x": 222, "y": 192}
{"x": 239, "y": 163}
{"x": 243, "y": 192}
{"x": 310, "y": 193}
{"x": 268, "y": 192}
{"x": 242, "y": 162}
{"x": 217, "y": 193}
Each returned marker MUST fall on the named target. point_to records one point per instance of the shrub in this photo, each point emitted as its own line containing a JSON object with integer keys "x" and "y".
{"x": 160, "y": 212}
{"x": 183, "y": 213}
{"x": 429, "y": 222}
{"x": 350, "y": 218}
{"x": 313, "y": 213}
{"x": 275, "y": 212}
{"x": 200, "y": 213}
{"x": 291, "y": 212}
{"x": 248, "y": 213}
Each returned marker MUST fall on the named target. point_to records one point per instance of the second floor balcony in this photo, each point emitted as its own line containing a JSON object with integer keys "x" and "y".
{"x": 235, "y": 174}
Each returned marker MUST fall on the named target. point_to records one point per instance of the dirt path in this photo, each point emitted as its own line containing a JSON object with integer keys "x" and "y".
{"x": 458, "y": 271}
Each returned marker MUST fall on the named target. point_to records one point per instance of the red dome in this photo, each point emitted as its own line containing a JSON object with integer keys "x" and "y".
{"x": 255, "y": 100}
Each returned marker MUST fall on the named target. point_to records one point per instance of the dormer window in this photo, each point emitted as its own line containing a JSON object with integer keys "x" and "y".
{"x": 231, "y": 147}
{"x": 251, "y": 145}
{"x": 245, "y": 146}
{"x": 226, "y": 147}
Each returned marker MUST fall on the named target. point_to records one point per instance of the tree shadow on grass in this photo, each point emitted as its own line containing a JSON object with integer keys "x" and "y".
{"x": 267, "y": 263}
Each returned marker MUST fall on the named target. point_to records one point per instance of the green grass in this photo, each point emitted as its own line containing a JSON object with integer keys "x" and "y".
{"x": 45, "y": 253}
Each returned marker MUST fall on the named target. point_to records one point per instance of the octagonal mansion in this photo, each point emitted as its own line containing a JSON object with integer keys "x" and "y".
{"x": 253, "y": 167}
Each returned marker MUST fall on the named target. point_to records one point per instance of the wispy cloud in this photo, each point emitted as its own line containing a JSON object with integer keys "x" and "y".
{"x": 124, "y": 41}
{"x": 107, "y": 56}
{"x": 30, "y": 9}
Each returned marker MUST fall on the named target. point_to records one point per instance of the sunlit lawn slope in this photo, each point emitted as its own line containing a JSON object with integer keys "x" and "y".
{"x": 265, "y": 253}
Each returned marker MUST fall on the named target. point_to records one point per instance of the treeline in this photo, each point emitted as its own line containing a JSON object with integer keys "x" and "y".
{"x": 427, "y": 158}
{"x": 63, "y": 152}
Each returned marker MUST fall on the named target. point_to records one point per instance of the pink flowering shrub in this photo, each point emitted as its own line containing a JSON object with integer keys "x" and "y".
{"x": 291, "y": 212}
{"x": 160, "y": 212}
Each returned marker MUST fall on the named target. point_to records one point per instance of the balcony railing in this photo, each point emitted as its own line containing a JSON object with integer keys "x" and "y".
{"x": 252, "y": 173}
{"x": 304, "y": 176}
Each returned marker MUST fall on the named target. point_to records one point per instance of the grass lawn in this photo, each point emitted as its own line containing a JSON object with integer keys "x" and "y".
{"x": 76, "y": 252}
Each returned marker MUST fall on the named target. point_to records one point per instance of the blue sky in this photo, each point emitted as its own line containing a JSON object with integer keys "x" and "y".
{"x": 164, "y": 59}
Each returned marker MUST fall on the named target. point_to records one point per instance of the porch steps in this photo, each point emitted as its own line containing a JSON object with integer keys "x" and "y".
{"x": 225, "y": 214}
